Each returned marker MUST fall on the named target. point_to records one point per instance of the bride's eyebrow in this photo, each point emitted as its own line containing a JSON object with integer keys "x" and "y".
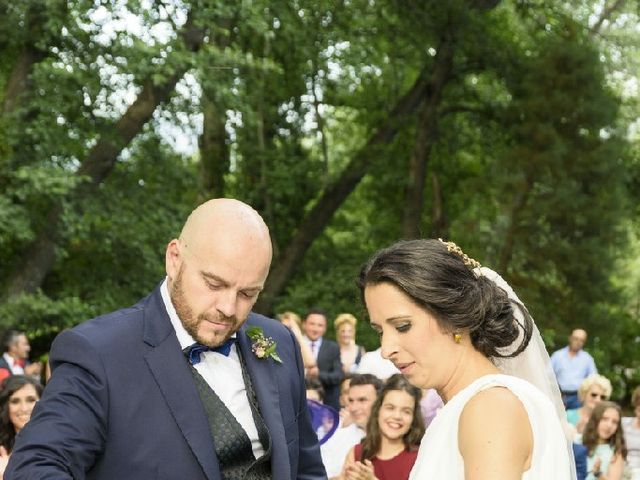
{"x": 397, "y": 318}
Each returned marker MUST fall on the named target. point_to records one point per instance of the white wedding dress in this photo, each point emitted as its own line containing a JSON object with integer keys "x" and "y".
{"x": 439, "y": 456}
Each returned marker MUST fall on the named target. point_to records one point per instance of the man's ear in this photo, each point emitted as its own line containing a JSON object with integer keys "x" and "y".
{"x": 173, "y": 259}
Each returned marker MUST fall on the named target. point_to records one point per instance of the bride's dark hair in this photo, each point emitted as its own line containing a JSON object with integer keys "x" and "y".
{"x": 440, "y": 281}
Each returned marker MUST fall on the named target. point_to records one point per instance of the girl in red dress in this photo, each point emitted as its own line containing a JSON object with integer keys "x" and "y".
{"x": 394, "y": 431}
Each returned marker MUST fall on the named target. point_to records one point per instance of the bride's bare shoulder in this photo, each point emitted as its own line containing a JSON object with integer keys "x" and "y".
{"x": 494, "y": 433}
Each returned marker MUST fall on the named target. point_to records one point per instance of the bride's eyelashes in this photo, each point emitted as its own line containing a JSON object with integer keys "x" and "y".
{"x": 403, "y": 327}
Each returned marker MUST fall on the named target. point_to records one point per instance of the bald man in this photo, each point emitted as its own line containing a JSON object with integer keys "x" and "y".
{"x": 180, "y": 385}
{"x": 572, "y": 365}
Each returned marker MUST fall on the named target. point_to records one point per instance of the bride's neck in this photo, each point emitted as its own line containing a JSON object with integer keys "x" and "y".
{"x": 470, "y": 366}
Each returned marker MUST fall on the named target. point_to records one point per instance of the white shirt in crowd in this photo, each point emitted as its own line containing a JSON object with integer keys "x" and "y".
{"x": 373, "y": 363}
{"x": 15, "y": 367}
{"x": 335, "y": 450}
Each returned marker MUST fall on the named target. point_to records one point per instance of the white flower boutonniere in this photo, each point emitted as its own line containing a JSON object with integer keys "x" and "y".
{"x": 261, "y": 346}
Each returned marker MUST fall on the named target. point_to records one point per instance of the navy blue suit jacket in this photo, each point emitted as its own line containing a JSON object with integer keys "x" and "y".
{"x": 122, "y": 404}
{"x": 331, "y": 373}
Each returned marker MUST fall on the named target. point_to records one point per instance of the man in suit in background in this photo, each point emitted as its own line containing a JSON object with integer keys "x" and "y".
{"x": 188, "y": 383}
{"x": 15, "y": 359}
{"x": 328, "y": 367}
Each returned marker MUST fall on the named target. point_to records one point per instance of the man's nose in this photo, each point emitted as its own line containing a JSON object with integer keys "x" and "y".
{"x": 226, "y": 303}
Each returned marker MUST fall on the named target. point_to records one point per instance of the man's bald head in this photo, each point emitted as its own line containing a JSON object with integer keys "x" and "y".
{"x": 217, "y": 268}
{"x": 224, "y": 216}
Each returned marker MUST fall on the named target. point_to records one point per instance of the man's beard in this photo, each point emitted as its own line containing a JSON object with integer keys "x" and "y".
{"x": 190, "y": 322}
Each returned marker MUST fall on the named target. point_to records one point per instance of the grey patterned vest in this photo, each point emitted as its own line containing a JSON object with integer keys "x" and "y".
{"x": 232, "y": 445}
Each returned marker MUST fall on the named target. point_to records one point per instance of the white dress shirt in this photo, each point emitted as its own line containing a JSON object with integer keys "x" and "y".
{"x": 15, "y": 367}
{"x": 315, "y": 348}
{"x": 334, "y": 451}
{"x": 223, "y": 374}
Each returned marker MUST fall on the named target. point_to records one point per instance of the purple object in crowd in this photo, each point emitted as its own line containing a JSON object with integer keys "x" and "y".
{"x": 324, "y": 420}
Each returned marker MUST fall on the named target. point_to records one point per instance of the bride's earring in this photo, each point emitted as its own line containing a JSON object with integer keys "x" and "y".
{"x": 457, "y": 337}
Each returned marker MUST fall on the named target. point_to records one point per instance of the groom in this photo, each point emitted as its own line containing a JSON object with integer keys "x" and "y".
{"x": 176, "y": 387}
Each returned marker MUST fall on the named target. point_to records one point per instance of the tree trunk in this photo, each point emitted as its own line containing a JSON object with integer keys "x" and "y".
{"x": 214, "y": 152}
{"x": 426, "y": 132}
{"x": 334, "y": 194}
{"x": 337, "y": 191}
{"x": 439, "y": 224}
{"x": 18, "y": 79}
{"x": 39, "y": 256}
{"x": 519, "y": 202}
{"x": 17, "y": 85}
{"x": 606, "y": 14}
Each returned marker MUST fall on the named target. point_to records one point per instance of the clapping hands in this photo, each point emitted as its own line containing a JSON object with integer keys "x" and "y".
{"x": 359, "y": 471}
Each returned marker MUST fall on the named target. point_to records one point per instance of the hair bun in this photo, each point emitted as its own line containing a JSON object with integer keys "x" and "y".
{"x": 498, "y": 332}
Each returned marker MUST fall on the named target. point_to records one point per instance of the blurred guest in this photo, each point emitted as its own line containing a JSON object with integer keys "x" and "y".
{"x": 429, "y": 405}
{"x": 631, "y": 430}
{"x": 18, "y": 395}
{"x": 393, "y": 433}
{"x": 580, "y": 455}
{"x": 314, "y": 390}
{"x": 324, "y": 420}
{"x": 292, "y": 321}
{"x": 593, "y": 389}
{"x": 572, "y": 365}
{"x": 345, "y": 416}
{"x": 15, "y": 359}
{"x": 350, "y": 352}
{"x": 328, "y": 368}
{"x": 363, "y": 391}
{"x": 373, "y": 363}
{"x": 605, "y": 442}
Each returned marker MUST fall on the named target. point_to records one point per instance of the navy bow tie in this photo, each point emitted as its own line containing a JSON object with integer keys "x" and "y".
{"x": 196, "y": 349}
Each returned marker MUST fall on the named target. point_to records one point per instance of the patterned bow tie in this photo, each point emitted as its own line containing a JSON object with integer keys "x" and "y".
{"x": 194, "y": 351}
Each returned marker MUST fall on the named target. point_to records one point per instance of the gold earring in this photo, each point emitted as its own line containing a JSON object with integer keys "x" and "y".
{"x": 457, "y": 337}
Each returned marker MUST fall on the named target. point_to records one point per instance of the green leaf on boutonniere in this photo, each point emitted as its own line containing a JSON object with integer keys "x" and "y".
{"x": 261, "y": 346}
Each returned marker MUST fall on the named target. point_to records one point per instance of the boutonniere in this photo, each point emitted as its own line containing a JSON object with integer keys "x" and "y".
{"x": 261, "y": 346}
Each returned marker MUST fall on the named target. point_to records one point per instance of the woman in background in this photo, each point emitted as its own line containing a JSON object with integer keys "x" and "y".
{"x": 292, "y": 321}
{"x": 18, "y": 395}
{"x": 350, "y": 352}
{"x": 593, "y": 390}
{"x": 605, "y": 442}
{"x": 394, "y": 430}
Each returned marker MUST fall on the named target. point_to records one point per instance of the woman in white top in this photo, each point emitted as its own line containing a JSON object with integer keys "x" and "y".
{"x": 446, "y": 324}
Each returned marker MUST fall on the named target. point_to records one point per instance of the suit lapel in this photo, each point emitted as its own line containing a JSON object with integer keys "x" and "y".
{"x": 322, "y": 353}
{"x": 265, "y": 385}
{"x": 170, "y": 370}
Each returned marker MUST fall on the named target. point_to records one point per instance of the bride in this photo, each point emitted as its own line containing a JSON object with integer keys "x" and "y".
{"x": 449, "y": 324}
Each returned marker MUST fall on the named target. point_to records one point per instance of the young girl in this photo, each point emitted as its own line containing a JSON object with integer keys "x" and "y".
{"x": 604, "y": 440}
{"x": 394, "y": 430}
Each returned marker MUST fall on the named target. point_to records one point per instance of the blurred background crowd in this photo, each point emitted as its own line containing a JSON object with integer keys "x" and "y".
{"x": 368, "y": 418}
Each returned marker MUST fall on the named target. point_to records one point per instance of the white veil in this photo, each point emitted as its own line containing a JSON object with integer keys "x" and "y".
{"x": 533, "y": 364}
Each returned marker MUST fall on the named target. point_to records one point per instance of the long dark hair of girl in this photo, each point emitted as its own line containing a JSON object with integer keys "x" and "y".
{"x": 373, "y": 439}
{"x": 590, "y": 436}
{"x": 10, "y": 386}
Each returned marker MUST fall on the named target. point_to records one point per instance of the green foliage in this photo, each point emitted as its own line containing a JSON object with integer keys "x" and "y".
{"x": 532, "y": 152}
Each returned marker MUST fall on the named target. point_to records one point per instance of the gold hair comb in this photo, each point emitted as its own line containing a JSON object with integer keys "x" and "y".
{"x": 468, "y": 261}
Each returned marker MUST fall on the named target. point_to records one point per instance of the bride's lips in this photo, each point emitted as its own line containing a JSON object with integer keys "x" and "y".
{"x": 404, "y": 367}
